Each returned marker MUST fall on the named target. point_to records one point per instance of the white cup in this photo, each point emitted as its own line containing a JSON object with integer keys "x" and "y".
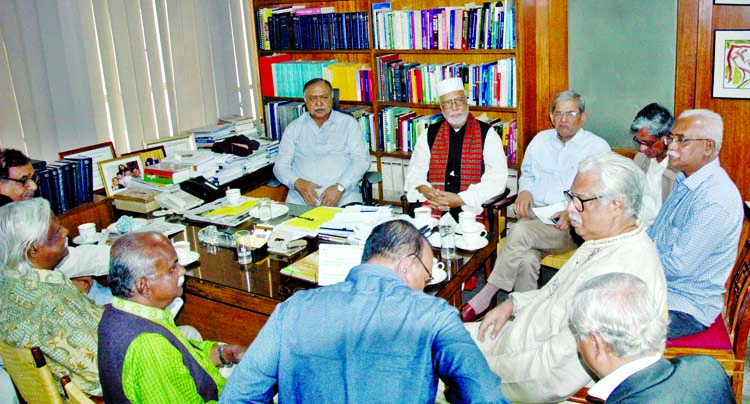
{"x": 182, "y": 248}
{"x": 233, "y": 196}
{"x": 473, "y": 234}
{"x": 423, "y": 213}
{"x": 87, "y": 231}
{"x": 465, "y": 218}
{"x": 437, "y": 265}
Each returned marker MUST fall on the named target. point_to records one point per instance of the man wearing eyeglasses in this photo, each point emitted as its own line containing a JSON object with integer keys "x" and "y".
{"x": 17, "y": 177}
{"x": 376, "y": 337}
{"x": 549, "y": 165}
{"x": 460, "y": 163}
{"x": 650, "y": 126}
{"x": 698, "y": 227}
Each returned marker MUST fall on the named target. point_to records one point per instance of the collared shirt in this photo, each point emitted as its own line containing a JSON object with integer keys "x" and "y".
{"x": 549, "y": 165}
{"x": 652, "y": 191}
{"x": 370, "y": 338}
{"x": 153, "y": 371}
{"x": 43, "y": 308}
{"x": 696, "y": 234}
{"x": 493, "y": 181}
{"x": 604, "y": 387}
{"x": 332, "y": 153}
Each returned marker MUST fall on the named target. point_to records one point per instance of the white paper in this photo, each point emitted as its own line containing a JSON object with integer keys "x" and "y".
{"x": 545, "y": 212}
{"x": 335, "y": 261}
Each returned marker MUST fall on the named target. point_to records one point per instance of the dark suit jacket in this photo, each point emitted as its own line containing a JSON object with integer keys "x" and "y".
{"x": 693, "y": 379}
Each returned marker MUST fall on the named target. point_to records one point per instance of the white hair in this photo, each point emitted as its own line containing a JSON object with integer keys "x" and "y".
{"x": 618, "y": 177}
{"x": 712, "y": 126}
{"x": 21, "y": 225}
{"x": 620, "y": 309}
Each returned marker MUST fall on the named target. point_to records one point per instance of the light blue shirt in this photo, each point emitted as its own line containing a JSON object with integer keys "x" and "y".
{"x": 333, "y": 153}
{"x": 696, "y": 233}
{"x": 549, "y": 165}
{"x": 369, "y": 339}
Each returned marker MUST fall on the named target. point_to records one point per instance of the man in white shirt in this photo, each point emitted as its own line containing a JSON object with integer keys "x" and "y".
{"x": 549, "y": 166}
{"x": 650, "y": 126}
{"x": 621, "y": 332}
{"x": 460, "y": 163}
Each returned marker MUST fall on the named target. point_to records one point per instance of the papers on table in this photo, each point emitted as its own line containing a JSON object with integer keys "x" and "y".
{"x": 222, "y": 213}
{"x": 335, "y": 261}
{"x": 355, "y": 223}
{"x": 308, "y": 223}
{"x": 545, "y": 212}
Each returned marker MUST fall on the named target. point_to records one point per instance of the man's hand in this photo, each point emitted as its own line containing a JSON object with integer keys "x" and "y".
{"x": 495, "y": 320}
{"x": 563, "y": 220}
{"x": 445, "y": 201}
{"x": 308, "y": 190}
{"x": 83, "y": 283}
{"x": 331, "y": 196}
{"x": 524, "y": 203}
{"x": 428, "y": 192}
{"x": 232, "y": 354}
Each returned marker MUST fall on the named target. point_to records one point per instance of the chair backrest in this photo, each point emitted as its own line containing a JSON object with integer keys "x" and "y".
{"x": 29, "y": 371}
{"x": 365, "y": 186}
{"x": 738, "y": 300}
{"x": 74, "y": 394}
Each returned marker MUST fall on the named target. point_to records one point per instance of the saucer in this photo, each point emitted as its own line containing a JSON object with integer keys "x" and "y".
{"x": 188, "y": 258}
{"x": 97, "y": 238}
{"x": 438, "y": 275}
{"x": 460, "y": 244}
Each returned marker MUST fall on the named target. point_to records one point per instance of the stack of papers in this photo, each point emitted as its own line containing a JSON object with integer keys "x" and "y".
{"x": 222, "y": 213}
{"x": 308, "y": 224}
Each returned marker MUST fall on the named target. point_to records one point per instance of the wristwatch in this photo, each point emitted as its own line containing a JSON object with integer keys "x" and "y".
{"x": 340, "y": 187}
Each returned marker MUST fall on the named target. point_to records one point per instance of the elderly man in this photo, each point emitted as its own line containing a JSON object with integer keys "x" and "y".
{"x": 322, "y": 155}
{"x": 39, "y": 306}
{"x": 535, "y": 352}
{"x": 382, "y": 339}
{"x": 698, "y": 227}
{"x": 548, "y": 168}
{"x": 650, "y": 126}
{"x": 143, "y": 358}
{"x": 621, "y": 333}
{"x": 460, "y": 163}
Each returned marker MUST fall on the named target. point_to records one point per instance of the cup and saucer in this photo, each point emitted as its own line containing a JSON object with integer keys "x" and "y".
{"x": 473, "y": 237}
{"x": 473, "y": 245}
{"x": 91, "y": 239}
{"x": 185, "y": 256}
{"x": 438, "y": 272}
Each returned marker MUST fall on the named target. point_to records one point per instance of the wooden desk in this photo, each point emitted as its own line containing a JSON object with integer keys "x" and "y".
{"x": 230, "y": 302}
{"x": 99, "y": 211}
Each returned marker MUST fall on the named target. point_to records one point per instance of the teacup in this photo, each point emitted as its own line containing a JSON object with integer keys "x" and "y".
{"x": 466, "y": 218}
{"x": 233, "y": 196}
{"x": 437, "y": 265}
{"x": 87, "y": 231}
{"x": 473, "y": 234}
{"x": 423, "y": 213}
{"x": 182, "y": 248}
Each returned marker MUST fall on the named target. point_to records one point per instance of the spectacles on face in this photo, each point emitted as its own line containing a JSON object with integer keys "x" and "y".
{"x": 25, "y": 182}
{"x": 315, "y": 98}
{"x": 644, "y": 142}
{"x": 577, "y": 201}
{"x": 458, "y": 102}
{"x": 567, "y": 114}
{"x": 429, "y": 273}
{"x": 679, "y": 139}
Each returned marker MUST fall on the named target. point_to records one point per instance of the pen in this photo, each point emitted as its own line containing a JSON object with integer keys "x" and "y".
{"x": 302, "y": 217}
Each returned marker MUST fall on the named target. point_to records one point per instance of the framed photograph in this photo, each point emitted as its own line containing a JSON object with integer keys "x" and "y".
{"x": 174, "y": 144}
{"x": 731, "y": 64}
{"x": 149, "y": 156}
{"x": 733, "y": 2}
{"x": 117, "y": 174}
{"x": 98, "y": 152}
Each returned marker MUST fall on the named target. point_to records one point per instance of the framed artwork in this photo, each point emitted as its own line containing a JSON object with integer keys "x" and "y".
{"x": 173, "y": 145}
{"x": 149, "y": 156}
{"x": 731, "y": 64}
{"x": 118, "y": 173}
{"x": 733, "y": 2}
{"x": 98, "y": 152}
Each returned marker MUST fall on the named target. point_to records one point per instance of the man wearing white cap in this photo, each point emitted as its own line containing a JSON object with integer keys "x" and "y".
{"x": 460, "y": 163}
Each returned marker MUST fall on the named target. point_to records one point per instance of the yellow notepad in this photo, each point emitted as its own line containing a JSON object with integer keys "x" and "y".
{"x": 233, "y": 210}
{"x": 313, "y": 219}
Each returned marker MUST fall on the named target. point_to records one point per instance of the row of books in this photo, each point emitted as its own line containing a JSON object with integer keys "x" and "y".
{"x": 66, "y": 183}
{"x": 312, "y": 28}
{"x": 486, "y": 84}
{"x": 365, "y": 118}
{"x": 489, "y": 26}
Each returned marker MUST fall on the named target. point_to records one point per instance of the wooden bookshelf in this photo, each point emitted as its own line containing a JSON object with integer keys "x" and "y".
{"x": 369, "y": 56}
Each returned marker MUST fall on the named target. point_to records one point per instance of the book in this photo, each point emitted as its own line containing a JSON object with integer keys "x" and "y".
{"x": 266, "y": 73}
{"x": 136, "y": 195}
{"x": 168, "y": 173}
{"x": 134, "y": 206}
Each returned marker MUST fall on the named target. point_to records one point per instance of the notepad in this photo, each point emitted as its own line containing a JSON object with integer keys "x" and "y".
{"x": 233, "y": 210}
{"x": 313, "y": 219}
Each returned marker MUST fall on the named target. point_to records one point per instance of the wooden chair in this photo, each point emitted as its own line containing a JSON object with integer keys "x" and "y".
{"x": 73, "y": 393}
{"x": 29, "y": 371}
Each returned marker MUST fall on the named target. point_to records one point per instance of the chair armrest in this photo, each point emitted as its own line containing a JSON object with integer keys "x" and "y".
{"x": 500, "y": 209}
{"x": 495, "y": 199}
{"x": 490, "y": 216}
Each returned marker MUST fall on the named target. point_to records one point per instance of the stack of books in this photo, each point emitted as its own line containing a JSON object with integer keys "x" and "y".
{"x": 242, "y": 125}
{"x": 203, "y": 162}
{"x": 167, "y": 173}
{"x": 206, "y": 136}
{"x": 136, "y": 200}
{"x": 312, "y": 28}
{"x": 66, "y": 183}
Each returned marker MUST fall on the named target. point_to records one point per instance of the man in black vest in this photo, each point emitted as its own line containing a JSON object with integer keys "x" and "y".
{"x": 142, "y": 355}
{"x": 460, "y": 163}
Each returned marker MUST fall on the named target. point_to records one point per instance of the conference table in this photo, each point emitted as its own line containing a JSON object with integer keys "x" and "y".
{"x": 230, "y": 302}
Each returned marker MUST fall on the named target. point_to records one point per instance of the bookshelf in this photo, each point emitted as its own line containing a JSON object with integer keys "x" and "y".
{"x": 386, "y": 160}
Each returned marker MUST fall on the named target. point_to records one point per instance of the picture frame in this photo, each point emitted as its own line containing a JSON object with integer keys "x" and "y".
{"x": 117, "y": 173}
{"x": 173, "y": 145}
{"x": 98, "y": 152}
{"x": 731, "y": 74}
{"x": 150, "y": 155}
{"x": 732, "y": 2}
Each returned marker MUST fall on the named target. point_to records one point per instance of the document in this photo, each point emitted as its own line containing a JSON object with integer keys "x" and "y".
{"x": 545, "y": 212}
{"x": 335, "y": 261}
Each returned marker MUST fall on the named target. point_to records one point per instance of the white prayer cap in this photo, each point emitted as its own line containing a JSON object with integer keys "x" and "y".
{"x": 449, "y": 85}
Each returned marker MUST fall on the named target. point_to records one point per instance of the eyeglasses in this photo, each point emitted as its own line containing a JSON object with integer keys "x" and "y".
{"x": 679, "y": 139}
{"x": 569, "y": 114}
{"x": 644, "y": 142}
{"x": 458, "y": 101}
{"x": 429, "y": 274}
{"x": 24, "y": 181}
{"x": 577, "y": 201}
{"x": 316, "y": 98}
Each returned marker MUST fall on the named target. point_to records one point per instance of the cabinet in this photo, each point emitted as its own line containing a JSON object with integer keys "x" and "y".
{"x": 386, "y": 158}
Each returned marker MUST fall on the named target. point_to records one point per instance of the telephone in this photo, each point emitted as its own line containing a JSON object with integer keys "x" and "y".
{"x": 177, "y": 200}
{"x": 202, "y": 188}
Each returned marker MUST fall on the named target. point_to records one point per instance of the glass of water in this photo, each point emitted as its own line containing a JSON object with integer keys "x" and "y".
{"x": 447, "y": 242}
{"x": 242, "y": 239}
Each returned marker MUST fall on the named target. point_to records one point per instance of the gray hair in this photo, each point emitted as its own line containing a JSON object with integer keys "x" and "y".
{"x": 21, "y": 225}
{"x": 620, "y": 309}
{"x": 131, "y": 260}
{"x": 568, "y": 95}
{"x": 618, "y": 177}
{"x": 655, "y": 118}
{"x": 394, "y": 240}
{"x": 712, "y": 126}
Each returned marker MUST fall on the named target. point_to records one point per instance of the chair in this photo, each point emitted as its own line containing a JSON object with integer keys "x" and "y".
{"x": 73, "y": 393}
{"x": 29, "y": 371}
{"x": 365, "y": 186}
